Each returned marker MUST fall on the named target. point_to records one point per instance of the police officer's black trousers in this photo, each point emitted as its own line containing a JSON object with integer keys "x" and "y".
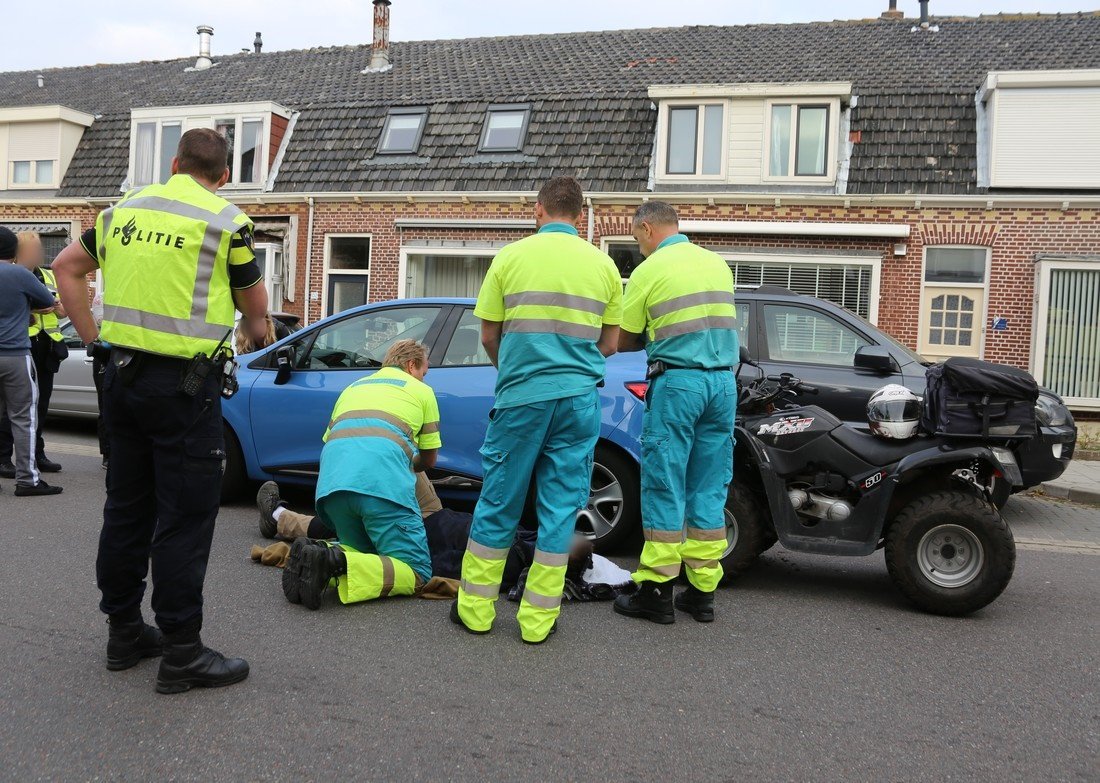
{"x": 163, "y": 491}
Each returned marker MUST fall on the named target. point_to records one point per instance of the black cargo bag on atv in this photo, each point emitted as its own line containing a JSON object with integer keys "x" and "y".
{"x": 972, "y": 398}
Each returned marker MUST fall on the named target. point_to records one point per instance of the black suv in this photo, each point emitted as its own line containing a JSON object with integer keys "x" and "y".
{"x": 848, "y": 358}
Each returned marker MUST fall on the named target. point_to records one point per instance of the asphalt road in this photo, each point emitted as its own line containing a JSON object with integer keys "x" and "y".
{"x": 814, "y": 670}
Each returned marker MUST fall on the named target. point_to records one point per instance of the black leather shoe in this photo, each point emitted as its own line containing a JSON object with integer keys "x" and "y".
{"x": 47, "y": 465}
{"x": 457, "y": 620}
{"x": 191, "y": 665}
{"x": 320, "y": 563}
{"x": 7, "y": 470}
{"x": 34, "y": 490}
{"x": 292, "y": 571}
{"x": 267, "y": 500}
{"x": 129, "y": 642}
{"x": 652, "y": 601}
{"x": 698, "y": 604}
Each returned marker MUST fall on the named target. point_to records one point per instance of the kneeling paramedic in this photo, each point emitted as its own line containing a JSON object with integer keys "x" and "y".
{"x": 556, "y": 300}
{"x": 176, "y": 260}
{"x": 366, "y": 493}
{"x": 679, "y": 305}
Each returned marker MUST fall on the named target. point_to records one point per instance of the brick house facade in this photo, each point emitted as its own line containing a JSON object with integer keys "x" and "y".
{"x": 908, "y": 164}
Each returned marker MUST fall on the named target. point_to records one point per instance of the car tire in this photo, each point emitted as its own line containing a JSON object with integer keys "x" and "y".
{"x": 950, "y": 553}
{"x": 613, "y": 511}
{"x": 234, "y": 478}
{"x": 748, "y": 531}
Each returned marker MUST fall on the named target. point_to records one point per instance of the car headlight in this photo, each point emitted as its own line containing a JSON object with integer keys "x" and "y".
{"x": 1050, "y": 412}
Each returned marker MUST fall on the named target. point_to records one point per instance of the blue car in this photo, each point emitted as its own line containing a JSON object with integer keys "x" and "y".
{"x": 275, "y": 423}
{"x": 287, "y": 391}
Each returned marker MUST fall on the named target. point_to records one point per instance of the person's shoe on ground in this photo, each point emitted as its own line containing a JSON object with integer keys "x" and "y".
{"x": 292, "y": 571}
{"x": 130, "y": 641}
{"x": 33, "y": 490}
{"x": 553, "y": 630}
{"x": 652, "y": 601}
{"x": 267, "y": 500}
{"x": 457, "y": 620}
{"x": 7, "y": 469}
{"x": 47, "y": 465}
{"x": 188, "y": 664}
{"x": 320, "y": 565}
{"x": 698, "y": 604}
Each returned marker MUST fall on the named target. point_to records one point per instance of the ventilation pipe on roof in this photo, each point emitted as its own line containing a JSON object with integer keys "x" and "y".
{"x": 258, "y": 43}
{"x": 41, "y": 80}
{"x": 205, "y": 32}
{"x": 380, "y": 48}
{"x": 924, "y": 14}
{"x": 892, "y": 12}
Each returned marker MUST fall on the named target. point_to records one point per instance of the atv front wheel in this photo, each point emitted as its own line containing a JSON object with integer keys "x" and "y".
{"x": 950, "y": 553}
{"x": 748, "y": 534}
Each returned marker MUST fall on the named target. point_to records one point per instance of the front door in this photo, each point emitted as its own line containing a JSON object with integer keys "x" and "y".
{"x": 952, "y": 314}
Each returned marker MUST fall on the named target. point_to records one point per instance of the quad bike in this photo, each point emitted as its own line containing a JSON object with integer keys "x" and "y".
{"x": 814, "y": 484}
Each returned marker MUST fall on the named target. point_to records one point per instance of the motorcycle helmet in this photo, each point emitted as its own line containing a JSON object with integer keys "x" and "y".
{"x": 894, "y": 412}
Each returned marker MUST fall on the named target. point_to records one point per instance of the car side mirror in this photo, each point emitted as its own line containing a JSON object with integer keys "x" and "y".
{"x": 874, "y": 358}
{"x": 284, "y": 364}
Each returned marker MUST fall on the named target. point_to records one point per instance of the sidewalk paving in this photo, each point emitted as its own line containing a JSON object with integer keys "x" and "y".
{"x": 1080, "y": 483}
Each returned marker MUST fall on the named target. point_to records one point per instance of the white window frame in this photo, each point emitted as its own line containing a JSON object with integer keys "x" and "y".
{"x": 874, "y": 264}
{"x": 206, "y": 116}
{"x": 32, "y": 184}
{"x": 922, "y": 313}
{"x": 661, "y": 174}
{"x": 832, "y": 126}
{"x": 417, "y": 250}
{"x": 329, "y": 272}
{"x": 1043, "y": 271}
{"x": 607, "y": 241}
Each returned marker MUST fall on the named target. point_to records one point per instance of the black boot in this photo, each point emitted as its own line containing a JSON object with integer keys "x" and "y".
{"x": 292, "y": 571}
{"x": 188, "y": 664}
{"x": 652, "y": 601}
{"x": 267, "y": 500}
{"x": 131, "y": 640}
{"x": 698, "y": 604}
{"x": 319, "y": 564}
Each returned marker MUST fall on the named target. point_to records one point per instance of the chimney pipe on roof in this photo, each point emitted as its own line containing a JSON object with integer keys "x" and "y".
{"x": 380, "y": 48}
{"x": 892, "y": 12}
{"x": 205, "y": 32}
{"x": 41, "y": 80}
{"x": 258, "y": 44}
{"x": 924, "y": 14}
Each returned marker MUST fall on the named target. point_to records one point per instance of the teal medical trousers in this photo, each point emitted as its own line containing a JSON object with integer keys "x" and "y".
{"x": 552, "y": 441}
{"x": 687, "y": 465}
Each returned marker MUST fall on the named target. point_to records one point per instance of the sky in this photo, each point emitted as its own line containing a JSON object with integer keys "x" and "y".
{"x": 127, "y": 31}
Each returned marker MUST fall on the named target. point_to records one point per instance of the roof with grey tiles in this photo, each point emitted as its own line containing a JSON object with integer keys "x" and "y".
{"x": 591, "y": 117}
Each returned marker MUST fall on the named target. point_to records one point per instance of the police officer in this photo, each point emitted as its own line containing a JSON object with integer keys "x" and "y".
{"x": 679, "y": 306}
{"x": 550, "y": 310}
{"x": 176, "y": 258}
{"x": 384, "y": 430}
{"x": 47, "y": 350}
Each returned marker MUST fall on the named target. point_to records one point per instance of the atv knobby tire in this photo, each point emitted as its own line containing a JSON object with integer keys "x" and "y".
{"x": 754, "y": 534}
{"x": 941, "y": 525}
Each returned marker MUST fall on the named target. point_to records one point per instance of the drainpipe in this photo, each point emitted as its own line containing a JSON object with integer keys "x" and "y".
{"x": 309, "y": 261}
{"x": 591, "y": 220}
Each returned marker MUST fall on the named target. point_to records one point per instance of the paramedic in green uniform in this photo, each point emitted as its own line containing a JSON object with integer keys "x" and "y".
{"x": 383, "y": 428}
{"x": 549, "y": 309}
{"x": 679, "y": 306}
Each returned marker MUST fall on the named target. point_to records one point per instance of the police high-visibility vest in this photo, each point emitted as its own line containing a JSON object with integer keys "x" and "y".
{"x": 47, "y": 322}
{"x": 164, "y": 251}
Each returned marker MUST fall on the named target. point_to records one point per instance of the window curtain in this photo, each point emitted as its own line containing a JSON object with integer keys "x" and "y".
{"x": 143, "y": 155}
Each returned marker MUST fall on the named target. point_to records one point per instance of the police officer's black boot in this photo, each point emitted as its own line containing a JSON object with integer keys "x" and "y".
{"x": 652, "y": 601}
{"x": 698, "y": 604}
{"x": 320, "y": 564}
{"x": 188, "y": 664}
{"x": 131, "y": 640}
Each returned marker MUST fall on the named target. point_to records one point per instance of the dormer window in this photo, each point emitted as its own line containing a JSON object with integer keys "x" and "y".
{"x": 800, "y": 143}
{"x": 403, "y": 130}
{"x": 505, "y": 128}
{"x": 36, "y": 145}
{"x": 254, "y": 132}
{"x": 695, "y": 136}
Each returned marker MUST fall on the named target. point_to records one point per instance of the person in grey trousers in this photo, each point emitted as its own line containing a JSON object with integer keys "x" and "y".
{"x": 20, "y": 294}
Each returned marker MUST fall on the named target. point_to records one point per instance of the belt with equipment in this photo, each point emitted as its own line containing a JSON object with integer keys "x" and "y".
{"x": 658, "y": 368}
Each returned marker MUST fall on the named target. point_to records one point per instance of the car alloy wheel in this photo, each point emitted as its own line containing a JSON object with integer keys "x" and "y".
{"x": 604, "y": 508}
